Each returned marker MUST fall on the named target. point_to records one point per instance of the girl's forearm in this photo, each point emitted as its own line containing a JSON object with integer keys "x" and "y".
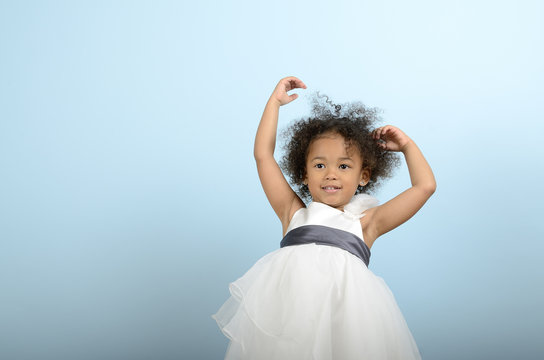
{"x": 265, "y": 140}
{"x": 421, "y": 174}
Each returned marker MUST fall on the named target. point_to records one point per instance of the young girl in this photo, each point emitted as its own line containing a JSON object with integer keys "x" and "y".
{"x": 315, "y": 298}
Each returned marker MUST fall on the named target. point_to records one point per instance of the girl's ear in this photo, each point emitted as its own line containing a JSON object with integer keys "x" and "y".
{"x": 365, "y": 176}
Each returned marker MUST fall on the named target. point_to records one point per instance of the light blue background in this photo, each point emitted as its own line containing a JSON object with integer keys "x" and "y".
{"x": 129, "y": 196}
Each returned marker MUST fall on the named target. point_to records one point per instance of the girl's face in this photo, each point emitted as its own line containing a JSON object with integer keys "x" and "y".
{"x": 333, "y": 171}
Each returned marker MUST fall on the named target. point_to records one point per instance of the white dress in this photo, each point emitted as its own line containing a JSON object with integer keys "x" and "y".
{"x": 316, "y": 301}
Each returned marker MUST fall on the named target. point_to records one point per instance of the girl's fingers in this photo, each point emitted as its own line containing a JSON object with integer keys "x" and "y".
{"x": 388, "y": 137}
{"x": 381, "y": 131}
{"x": 299, "y": 83}
{"x": 295, "y": 83}
{"x": 385, "y": 129}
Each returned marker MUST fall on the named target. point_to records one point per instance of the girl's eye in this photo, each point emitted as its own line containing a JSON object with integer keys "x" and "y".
{"x": 319, "y": 166}
{"x": 344, "y": 166}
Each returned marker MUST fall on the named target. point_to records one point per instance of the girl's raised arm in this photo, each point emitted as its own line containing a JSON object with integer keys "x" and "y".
{"x": 396, "y": 211}
{"x": 283, "y": 199}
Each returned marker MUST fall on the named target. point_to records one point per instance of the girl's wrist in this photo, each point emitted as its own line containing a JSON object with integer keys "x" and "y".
{"x": 274, "y": 102}
{"x": 407, "y": 146}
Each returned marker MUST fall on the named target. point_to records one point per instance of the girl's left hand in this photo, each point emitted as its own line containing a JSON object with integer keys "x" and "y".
{"x": 393, "y": 139}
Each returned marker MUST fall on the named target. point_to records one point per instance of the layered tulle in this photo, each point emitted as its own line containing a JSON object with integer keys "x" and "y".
{"x": 314, "y": 302}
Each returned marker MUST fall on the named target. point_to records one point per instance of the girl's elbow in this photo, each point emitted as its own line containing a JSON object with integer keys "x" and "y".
{"x": 427, "y": 189}
{"x": 431, "y": 188}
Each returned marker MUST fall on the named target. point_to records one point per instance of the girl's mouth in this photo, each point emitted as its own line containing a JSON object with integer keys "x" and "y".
{"x": 331, "y": 189}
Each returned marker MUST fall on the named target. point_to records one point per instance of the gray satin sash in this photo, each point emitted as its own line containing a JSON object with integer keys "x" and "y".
{"x": 324, "y": 235}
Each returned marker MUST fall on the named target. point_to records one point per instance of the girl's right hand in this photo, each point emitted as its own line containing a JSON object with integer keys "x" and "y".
{"x": 286, "y": 84}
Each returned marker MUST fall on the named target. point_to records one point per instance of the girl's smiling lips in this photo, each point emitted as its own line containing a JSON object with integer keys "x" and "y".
{"x": 331, "y": 188}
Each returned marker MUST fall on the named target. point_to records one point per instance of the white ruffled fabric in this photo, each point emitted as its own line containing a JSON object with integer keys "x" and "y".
{"x": 358, "y": 204}
{"x": 314, "y": 302}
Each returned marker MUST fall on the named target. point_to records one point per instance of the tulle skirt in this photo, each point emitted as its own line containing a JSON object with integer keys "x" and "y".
{"x": 313, "y": 302}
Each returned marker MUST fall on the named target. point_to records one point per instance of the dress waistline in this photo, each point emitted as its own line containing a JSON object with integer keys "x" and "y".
{"x": 324, "y": 235}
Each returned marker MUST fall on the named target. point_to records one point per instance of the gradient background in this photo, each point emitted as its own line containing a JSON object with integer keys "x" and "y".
{"x": 129, "y": 196}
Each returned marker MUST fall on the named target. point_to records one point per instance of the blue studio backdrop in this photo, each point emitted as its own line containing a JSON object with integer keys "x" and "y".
{"x": 129, "y": 195}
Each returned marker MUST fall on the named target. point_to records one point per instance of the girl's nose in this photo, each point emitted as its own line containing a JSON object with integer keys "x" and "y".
{"x": 331, "y": 175}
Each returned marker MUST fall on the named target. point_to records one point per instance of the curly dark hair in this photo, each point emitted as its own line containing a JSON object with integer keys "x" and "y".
{"x": 355, "y": 123}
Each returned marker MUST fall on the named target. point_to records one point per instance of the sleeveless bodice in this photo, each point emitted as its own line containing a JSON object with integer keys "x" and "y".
{"x": 322, "y": 224}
